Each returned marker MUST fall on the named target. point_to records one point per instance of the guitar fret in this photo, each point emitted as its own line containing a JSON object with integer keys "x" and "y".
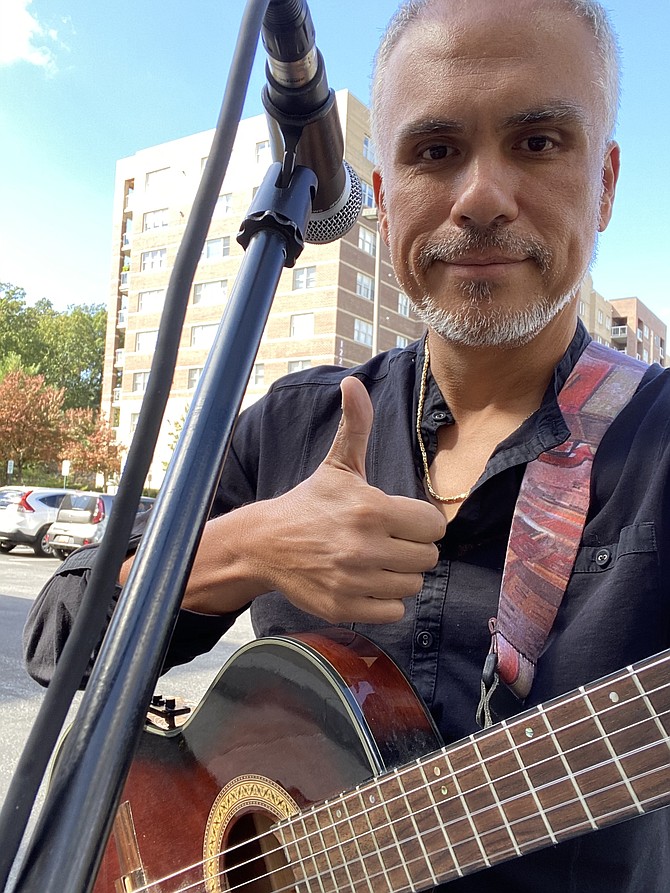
{"x": 655, "y": 709}
{"x": 443, "y": 784}
{"x": 561, "y": 809}
{"x": 417, "y": 835}
{"x": 363, "y": 830}
{"x": 357, "y": 864}
{"x": 299, "y": 838}
{"x": 570, "y": 777}
{"x": 472, "y": 855}
{"x": 320, "y": 852}
{"x": 498, "y": 803}
{"x": 612, "y": 751}
{"x": 388, "y": 846}
{"x": 533, "y": 793}
{"x": 347, "y": 856}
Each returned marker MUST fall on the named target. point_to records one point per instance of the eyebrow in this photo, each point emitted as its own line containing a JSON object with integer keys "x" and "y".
{"x": 560, "y": 112}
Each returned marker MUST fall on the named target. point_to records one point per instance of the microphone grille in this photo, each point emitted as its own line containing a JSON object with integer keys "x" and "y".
{"x": 330, "y": 225}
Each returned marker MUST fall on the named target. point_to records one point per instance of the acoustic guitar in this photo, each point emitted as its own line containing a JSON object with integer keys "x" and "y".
{"x": 311, "y": 765}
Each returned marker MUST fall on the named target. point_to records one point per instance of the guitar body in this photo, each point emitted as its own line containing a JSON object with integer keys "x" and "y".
{"x": 288, "y": 722}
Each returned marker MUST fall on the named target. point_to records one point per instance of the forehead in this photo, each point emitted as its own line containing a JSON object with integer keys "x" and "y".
{"x": 500, "y": 55}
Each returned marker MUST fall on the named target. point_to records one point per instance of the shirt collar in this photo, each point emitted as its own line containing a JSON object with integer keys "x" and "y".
{"x": 544, "y": 430}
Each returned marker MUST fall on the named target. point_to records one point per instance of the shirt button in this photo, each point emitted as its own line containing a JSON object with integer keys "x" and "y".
{"x": 424, "y": 639}
{"x": 603, "y": 557}
{"x": 439, "y": 416}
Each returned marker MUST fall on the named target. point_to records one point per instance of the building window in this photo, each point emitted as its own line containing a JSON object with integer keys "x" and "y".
{"x": 368, "y": 195}
{"x": 258, "y": 374}
{"x": 367, "y": 241}
{"x": 304, "y": 277}
{"x": 608, "y": 323}
{"x": 134, "y": 419}
{"x": 263, "y": 152}
{"x": 203, "y": 336}
{"x": 365, "y": 286}
{"x": 298, "y": 365}
{"x": 140, "y": 381}
{"x": 156, "y": 179}
{"x": 401, "y": 341}
{"x": 203, "y": 162}
{"x": 150, "y": 301}
{"x": 145, "y": 342}
{"x": 369, "y": 149}
{"x": 215, "y": 249}
{"x": 302, "y": 325}
{"x": 403, "y": 304}
{"x": 153, "y": 260}
{"x": 194, "y": 374}
{"x": 646, "y": 331}
{"x": 155, "y": 219}
{"x": 363, "y": 332}
{"x": 215, "y": 292}
{"x": 224, "y": 204}
{"x": 601, "y": 318}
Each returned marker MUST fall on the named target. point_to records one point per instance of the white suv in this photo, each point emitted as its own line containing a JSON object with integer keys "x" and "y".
{"x": 26, "y": 513}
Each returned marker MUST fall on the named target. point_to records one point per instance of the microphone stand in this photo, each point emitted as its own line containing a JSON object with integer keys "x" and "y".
{"x": 68, "y": 843}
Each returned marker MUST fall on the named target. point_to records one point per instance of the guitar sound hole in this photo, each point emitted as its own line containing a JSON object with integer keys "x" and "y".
{"x": 253, "y": 859}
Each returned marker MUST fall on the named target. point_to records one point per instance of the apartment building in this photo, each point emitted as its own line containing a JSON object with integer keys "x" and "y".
{"x": 338, "y": 305}
{"x": 626, "y": 324}
{"x": 638, "y": 331}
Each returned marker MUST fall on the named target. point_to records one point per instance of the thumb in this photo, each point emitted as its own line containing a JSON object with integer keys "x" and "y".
{"x": 351, "y": 440}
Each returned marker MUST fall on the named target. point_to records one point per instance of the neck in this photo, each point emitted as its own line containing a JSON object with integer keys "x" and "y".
{"x": 510, "y": 380}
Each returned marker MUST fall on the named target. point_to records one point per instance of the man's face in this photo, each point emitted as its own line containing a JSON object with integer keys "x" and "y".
{"x": 496, "y": 173}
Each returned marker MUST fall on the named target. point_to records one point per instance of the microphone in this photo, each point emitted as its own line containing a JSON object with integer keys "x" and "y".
{"x": 300, "y": 106}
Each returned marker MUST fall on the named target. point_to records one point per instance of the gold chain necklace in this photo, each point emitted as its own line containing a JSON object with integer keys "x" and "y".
{"x": 449, "y": 500}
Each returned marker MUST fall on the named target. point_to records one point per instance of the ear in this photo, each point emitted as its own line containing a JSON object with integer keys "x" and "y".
{"x": 610, "y": 176}
{"x": 378, "y": 187}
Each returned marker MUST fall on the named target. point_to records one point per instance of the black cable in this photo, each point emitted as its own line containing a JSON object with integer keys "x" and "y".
{"x": 91, "y": 619}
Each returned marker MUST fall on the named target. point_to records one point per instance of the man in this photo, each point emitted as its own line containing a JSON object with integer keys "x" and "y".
{"x": 493, "y": 121}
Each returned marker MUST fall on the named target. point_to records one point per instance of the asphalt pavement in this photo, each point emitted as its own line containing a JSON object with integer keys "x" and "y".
{"x": 21, "y": 577}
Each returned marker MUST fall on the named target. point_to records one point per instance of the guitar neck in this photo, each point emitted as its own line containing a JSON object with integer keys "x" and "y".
{"x": 579, "y": 763}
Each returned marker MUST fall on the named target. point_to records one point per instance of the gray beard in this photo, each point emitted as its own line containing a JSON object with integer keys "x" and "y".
{"x": 479, "y": 322}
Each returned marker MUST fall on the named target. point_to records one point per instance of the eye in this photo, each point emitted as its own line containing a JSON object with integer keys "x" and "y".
{"x": 538, "y": 145}
{"x": 436, "y": 153}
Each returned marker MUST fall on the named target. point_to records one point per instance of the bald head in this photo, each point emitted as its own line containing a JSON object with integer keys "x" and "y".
{"x": 607, "y": 62}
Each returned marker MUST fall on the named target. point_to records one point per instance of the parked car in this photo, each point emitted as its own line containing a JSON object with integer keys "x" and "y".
{"x": 26, "y": 513}
{"x": 82, "y": 519}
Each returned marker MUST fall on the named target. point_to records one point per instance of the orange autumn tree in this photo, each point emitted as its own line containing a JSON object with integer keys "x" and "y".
{"x": 31, "y": 420}
{"x": 89, "y": 443}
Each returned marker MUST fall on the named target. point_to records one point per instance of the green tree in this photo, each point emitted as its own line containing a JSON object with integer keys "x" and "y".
{"x": 66, "y": 347}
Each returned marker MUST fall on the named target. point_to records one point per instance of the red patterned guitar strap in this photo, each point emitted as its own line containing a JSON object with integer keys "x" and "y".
{"x": 549, "y": 519}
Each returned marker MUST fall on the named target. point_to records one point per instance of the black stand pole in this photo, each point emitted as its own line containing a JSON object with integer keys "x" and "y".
{"x": 75, "y": 821}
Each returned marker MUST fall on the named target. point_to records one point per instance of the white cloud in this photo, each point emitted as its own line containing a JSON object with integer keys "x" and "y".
{"x": 23, "y": 38}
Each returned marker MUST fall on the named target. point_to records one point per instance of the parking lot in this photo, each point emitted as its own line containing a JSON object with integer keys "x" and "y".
{"x": 22, "y": 575}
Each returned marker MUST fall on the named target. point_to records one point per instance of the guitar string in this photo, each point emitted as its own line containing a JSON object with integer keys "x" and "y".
{"x": 511, "y": 727}
{"x": 465, "y": 744}
{"x": 459, "y": 867}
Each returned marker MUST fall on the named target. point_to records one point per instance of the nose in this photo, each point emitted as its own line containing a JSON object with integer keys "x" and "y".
{"x": 485, "y": 193}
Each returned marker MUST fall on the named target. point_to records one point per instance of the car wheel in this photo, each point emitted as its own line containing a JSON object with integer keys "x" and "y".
{"x": 60, "y": 554}
{"x": 41, "y": 547}
{"x": 6, "y": 547}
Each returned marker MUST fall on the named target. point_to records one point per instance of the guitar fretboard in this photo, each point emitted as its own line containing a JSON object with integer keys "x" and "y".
{"x": 581, "y": 762}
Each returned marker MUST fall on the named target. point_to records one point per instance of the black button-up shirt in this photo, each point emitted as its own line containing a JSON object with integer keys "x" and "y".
{"x": 616, "y": 609}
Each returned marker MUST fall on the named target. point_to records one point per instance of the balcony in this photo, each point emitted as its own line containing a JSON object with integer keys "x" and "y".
{"x": 122, "y": 319}
{"x": 125, "y": 241}
{"x": 119, "y": 357}
{"x": 125, "y": 277}
{"x": 619, "y": 333}
{"x": 128, "y": 205}
{"x": 116, "y": 395}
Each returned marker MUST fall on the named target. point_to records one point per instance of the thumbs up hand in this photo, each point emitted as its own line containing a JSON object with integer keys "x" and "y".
{"x": 337, "y": 547}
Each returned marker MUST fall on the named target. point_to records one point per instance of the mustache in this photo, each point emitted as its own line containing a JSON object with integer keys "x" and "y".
{"x": 452, "y": 248}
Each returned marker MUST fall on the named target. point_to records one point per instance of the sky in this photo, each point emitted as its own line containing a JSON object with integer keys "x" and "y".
{"x": 83, "y": 84}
